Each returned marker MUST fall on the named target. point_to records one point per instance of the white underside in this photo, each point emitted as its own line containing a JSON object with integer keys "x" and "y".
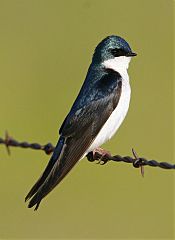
{"x": 119, "y": 64}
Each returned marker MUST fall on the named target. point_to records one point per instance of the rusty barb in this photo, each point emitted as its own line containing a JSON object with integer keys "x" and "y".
{"x": 136, "y": 161}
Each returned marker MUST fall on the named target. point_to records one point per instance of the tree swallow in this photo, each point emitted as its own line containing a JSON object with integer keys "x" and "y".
{"x": 95, "y": 116}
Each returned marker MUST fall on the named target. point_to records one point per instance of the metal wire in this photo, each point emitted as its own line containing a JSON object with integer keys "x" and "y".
{"x": 137, "y": 162}
{"x": 8, "y": 141}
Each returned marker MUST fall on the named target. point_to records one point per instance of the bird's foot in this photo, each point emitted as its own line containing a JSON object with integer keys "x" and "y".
{"x": 99, "y": 154}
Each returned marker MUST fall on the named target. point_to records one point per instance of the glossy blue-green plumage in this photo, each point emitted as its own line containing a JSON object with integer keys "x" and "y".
{"x": 97, "y": 99}
{"x": 90, "y": 91}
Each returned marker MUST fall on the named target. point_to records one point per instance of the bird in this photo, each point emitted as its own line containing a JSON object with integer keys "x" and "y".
{"x": 95, "y": 116}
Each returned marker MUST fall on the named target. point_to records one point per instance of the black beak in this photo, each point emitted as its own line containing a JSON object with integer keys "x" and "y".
{"x": 131, "y": 54}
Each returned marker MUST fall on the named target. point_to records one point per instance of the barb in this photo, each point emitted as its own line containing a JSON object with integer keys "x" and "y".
{"x": 137, "y": 162}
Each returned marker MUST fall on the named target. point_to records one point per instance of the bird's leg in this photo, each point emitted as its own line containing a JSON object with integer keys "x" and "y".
{"x": 103, "y": 155}
{"x": 99, "y": 154}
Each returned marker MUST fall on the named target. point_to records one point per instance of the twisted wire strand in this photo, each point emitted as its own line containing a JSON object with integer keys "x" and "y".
{"x": 8, "y": 141}
{"x": 48, "y": 148}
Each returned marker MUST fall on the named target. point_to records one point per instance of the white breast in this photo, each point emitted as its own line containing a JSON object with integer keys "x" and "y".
{"x": 119, "y": 64}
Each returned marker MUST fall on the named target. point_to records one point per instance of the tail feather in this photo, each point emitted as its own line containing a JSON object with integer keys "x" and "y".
{"x": 47, "y": 186}
{"x": 49, "y": 167}
{"x": 67, "y": 153}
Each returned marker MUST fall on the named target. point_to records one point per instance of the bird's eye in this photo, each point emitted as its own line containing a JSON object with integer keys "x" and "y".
{"x": 118, "y": 52}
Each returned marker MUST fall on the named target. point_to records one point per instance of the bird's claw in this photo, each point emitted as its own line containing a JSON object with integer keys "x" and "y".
{"x": 103, "y": 156}
{"x": 103, "y": 161}
{"x": 99, "y": 154}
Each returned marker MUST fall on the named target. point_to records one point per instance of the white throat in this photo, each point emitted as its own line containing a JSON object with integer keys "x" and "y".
{"x": 118, "y": 64}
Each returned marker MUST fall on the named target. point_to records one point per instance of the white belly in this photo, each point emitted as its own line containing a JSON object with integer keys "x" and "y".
{"x": 115, "y": 119}
{"x": 119, "y": 64}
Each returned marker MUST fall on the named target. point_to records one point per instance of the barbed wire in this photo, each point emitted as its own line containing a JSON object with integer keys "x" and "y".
{"x": 136, "y": 161}
{"x": 8, "y": 141}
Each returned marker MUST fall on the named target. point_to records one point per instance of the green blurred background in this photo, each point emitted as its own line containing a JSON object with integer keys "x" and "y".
{"x": 45, "y": 50}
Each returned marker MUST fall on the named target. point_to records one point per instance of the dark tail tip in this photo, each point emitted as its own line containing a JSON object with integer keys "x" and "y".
{"x": 33, "y": 203}
{"x": 26, "y": 198}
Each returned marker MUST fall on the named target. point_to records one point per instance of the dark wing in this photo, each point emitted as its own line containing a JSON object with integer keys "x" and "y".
{"x": 77, "y": 134}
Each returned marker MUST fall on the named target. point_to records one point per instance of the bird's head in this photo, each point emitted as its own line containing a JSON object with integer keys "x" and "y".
{"x": 112, "y": 47}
